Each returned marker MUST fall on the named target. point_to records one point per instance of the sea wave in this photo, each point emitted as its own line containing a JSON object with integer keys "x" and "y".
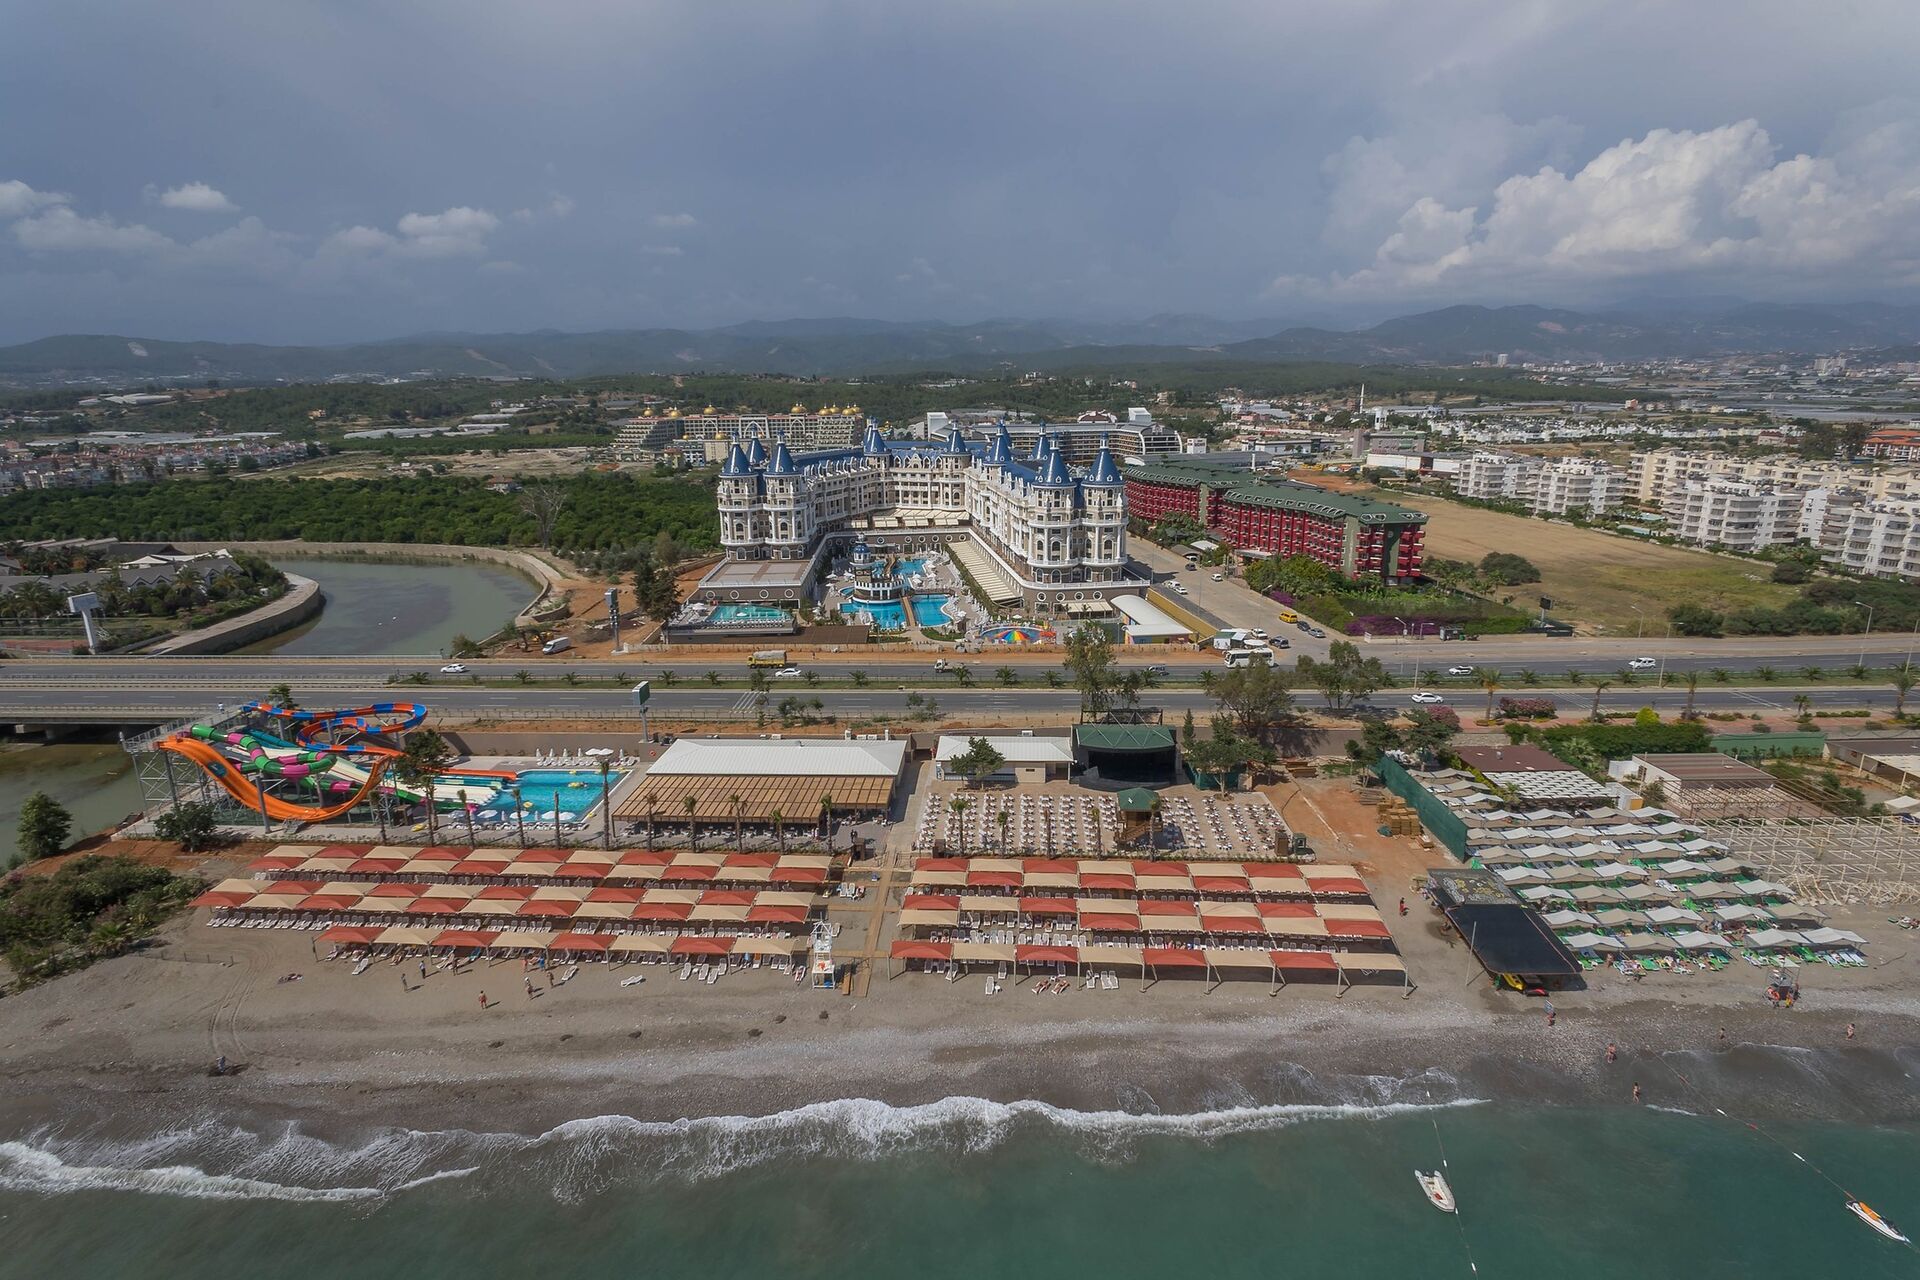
{"x": 581, "y": 1158}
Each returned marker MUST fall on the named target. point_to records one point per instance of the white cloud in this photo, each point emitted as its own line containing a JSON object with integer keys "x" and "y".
{"x": 17, "y": 199}
{"x": 561, "y": 206}
{"x": 457, "y": 232}
{"x": 1673, "y": 202}
{"x": 196, "y": 197}
{"x": 662, "y": 250}
{"x": 61, "y": 230}
{"x": 674, "y": 221}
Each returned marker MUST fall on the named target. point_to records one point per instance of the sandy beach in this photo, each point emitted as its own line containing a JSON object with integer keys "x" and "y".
{"x": 134, "y": 1036}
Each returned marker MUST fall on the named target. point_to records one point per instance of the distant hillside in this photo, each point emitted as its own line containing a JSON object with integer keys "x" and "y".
{"x": 842, "y": 346}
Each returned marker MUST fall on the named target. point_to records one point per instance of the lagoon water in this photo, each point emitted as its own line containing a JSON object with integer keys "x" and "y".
{"x": 379, "y": 608}
{"x": 972, "y": 1189}
{"x": 93, "y": 780}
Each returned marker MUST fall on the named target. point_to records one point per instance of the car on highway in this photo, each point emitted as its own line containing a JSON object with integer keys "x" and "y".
{"x": 787, "y": 673}
{"x": 1304, "y": 625}
{"x": 454, "y": 669}
{"x": 1180, "y": 588}
{"x": 1641, "y": 664}
{"x": 1459, "y": 671}
{"x": 1159, "y": 669}
{"x": 1219, "y": 577}
{"x": 1316, "y": 633}
{"x": 1426, "y": 696}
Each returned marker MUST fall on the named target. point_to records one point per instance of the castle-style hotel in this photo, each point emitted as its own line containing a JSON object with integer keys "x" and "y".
{"x": 1030, "y": 531}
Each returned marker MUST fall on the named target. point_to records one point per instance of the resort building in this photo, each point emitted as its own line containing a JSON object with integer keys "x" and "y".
{"x": 1026, "y": 529}
{"x": 1359, "y": 537}
{"x": 831, "y": 427}
{"x": 1138, "y": 439}
{"x": 1578, "y": 486}
{"x": 1896, "y": 444}
{"x": 1734, "y": 514}
{"x": 1490, "y": 476}
{"x": 1655, "y": 473}
{"x": 762, "y": 780}
{"x": 1879, "y": 538}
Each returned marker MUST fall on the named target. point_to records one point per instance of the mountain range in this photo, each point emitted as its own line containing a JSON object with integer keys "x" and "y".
{"x": 844, "y": 346}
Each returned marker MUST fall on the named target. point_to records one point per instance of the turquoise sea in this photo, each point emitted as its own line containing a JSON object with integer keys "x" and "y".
{"x": 968, "y": 1188}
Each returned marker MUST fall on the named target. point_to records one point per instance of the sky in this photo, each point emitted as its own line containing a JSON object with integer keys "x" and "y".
{"x": 337, "y": 170}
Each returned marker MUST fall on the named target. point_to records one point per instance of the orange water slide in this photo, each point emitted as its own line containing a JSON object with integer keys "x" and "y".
{"x": 223, "y": 771}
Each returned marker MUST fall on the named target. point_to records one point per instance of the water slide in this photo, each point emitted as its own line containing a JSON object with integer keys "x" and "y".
{"x": 223, "y": 771}
{"x": 321, "y": 730}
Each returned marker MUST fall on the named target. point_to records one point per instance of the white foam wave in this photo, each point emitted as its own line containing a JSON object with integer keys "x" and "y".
{"x": 581, "y": 1157}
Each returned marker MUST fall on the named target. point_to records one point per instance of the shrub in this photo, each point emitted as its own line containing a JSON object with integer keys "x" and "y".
{"x": 1527, "y": 708}
{"x": 1618, "y": 741}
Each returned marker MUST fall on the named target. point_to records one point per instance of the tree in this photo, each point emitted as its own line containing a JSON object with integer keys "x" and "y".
{"x": 1695, "y": 620}
{"x": 281, "y": 695}
{"x": 779, "y": 821}
{"x": 426, "y": 755}
{"x": 191, "y": 825}
{"x": 1003, "y": 820}
{"x": 958, "y": 807}
{"x": 735, "y": 802}
{"x": 826, "y": 820}
{"x": 1692, "y": 679}
{"x": 1344, "y": 677}
{"x": 543, "y": 503}
{"x": 1804, "y": 705}
{"x": 1507, "y": 569}
{"x": 44, "y": 826}
{"x": 981, "y": 760}
{"x": 1226, "y": 750}
{"x": 1006, "y": 676}
{"x": 1257, "y": 697}
{"x": 1903, "y": 681}
{"x": 859, "y": 678}
{"x": 1792, "y": 572}
{"x": 1429, "y": 728}
{"x": 1089, "y": 662}
{"x": 1489, "y": 678}
{"x": 1599, "y": 687}
{"x": 692, "y": 806}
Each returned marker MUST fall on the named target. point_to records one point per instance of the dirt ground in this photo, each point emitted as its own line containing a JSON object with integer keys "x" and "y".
{"x": 1595, "y": 579}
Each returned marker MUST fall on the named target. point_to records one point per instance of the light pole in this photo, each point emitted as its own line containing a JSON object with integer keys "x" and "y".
{"x": 1909, "y": 661}
{"x": 1865, "y": 631}
{"x": 1640, "y": 625}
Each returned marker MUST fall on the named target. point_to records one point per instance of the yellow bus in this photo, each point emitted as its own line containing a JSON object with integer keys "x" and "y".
{"x": 1288, "y": 615}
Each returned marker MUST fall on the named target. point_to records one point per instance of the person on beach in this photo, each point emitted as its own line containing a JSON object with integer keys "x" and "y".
{"x": 1636, "y": 1091}
{"x": 403, "y": 983}
{"x": 423, "y": 968}
{"x": 483, "y": 1001}
{"x": 529, "y": 986}
{"x": 1849, "y": 1031}
{"x": 1403, "y": 906}
{"x": 1613, "y": 1051}
{"x": 1723, "y": 1037}
{"x": 1551, "y": 1015}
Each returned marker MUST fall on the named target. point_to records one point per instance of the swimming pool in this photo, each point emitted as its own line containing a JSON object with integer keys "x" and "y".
{"x": 928, "y": 611}
{"x": 576, "y": 790}
{"x": 738, "y": 614}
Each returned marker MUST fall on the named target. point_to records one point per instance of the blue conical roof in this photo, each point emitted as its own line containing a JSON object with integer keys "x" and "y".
{"x": 782, "y": 461}
{"x": 874, "y": 443}
{"x": 1104, "y": 471}
{"x": 736, "y": 461}
{"x": 1042, "y": 446}
{"x": 756, "y": 453}
{"x": 1002, "y": 448}
{"x": 956, "y": 443}
{"x": 1053, "y": 472}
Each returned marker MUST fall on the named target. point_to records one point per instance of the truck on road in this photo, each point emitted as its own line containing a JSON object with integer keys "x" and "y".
{"x": 768, "y": 658}
{"x": 559, "y": 644}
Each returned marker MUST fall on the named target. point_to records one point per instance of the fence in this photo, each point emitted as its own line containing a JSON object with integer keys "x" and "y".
{"x": 1445, "y": 825}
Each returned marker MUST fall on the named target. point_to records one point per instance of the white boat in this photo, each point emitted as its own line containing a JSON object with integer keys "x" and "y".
{"x": 1438, "y": 1192}
{"x": 1878, "y": 1223}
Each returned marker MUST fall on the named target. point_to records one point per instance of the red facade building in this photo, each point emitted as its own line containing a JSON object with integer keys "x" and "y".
{"x": 1358, "y": 537}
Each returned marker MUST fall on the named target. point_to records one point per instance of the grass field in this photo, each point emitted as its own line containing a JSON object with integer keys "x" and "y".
{"x": 1595, "y": 579}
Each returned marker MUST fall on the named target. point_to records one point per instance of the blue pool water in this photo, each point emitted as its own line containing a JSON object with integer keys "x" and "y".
{"x": 890, "y": 616}
{"x": 541, "y": 787}
{"x": 738, "y": 613}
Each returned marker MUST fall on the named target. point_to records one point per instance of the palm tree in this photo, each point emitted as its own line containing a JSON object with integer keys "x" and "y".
{"x": 1693, "y": 684}
{"x": 1858, "y": 671}
{"x": 958, "y": 806}
{"x": 713, "y": 677}
{"x": 1490, "y": 681}
{"x": 1006, "y": 676}
{"x": 653, "y": 811}
{"x": 606, "y": 815}
{"x": 1576, "y": 677}
{"x": 524, "y": 676}
{"x": 1804, "y": 705}
{"x": 1529, "y": 677}
{"x": 1720, "y": 675}
{"x": 425, "y": 755}
{"x": 281, "y": 695}
{"x": 779, "y": 828}
{"x": 1599, "y": 687}
{"x": 667, "y": 677}
{"x": 1813, "y": 673}
{"x": 858, "y": 677}
{"x": 1005, "y": 820}
{"x": 1767, "y": 674}
{"x": 738, "y": 834}
{"x": 826, "y": 819}
{"x": 692, "y": 806}
{"x": 1903, "y": 681}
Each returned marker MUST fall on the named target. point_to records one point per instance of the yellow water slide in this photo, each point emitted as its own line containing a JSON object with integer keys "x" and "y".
{"x": 223, "y": 771}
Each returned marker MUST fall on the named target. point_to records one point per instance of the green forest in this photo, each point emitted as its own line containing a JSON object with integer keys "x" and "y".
{"x": 600, "y": 512}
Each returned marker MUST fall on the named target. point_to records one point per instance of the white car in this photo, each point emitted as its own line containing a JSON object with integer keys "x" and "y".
{"x": 1641, "y": 664}
{"x": 1260, "y": 633}
{"x": 1219, "y": 577}
{"x": 1459, "y": 671}
{"x": 1425, "y": 696}
{"x": 454, "y": 669}
{"x": 787, "y": 673}
{"x": 1180, "y": 588}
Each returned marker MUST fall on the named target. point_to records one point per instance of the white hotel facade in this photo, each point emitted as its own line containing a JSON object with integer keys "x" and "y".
{"x": 1028, "y": 530}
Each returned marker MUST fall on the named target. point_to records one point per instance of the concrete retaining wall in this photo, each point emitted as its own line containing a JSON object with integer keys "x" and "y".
{"x": 301, "y": 602}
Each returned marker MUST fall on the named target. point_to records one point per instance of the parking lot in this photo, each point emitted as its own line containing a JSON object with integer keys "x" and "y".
{"x": 1228, "y": 600}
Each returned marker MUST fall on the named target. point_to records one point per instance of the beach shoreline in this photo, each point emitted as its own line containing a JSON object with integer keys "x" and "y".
{"x": 128, "y": 1043}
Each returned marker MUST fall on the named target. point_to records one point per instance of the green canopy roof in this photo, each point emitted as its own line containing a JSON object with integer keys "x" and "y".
{"x": 1123, "y": 737}
{"x": 1136, "y": 800}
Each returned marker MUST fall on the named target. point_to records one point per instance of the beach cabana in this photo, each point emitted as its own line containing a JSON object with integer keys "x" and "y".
{"x": 1775, "y": 939}
{"x": 907, "y": 950}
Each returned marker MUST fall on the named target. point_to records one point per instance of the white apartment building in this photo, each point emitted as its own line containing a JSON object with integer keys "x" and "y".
{"x": 1734, "y": 514}
{"x": 1578, "y": 486}
{"x": 833, "y": 427}
{"x": 1876, "y": 537}
{"x": 1490, "y": 476}
{"x": 1655, "y": 472}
